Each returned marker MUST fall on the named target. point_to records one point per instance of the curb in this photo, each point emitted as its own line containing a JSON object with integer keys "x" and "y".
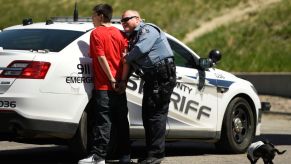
{"x": 277, "y": 113}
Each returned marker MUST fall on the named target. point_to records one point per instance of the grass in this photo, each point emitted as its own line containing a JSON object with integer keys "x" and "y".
{"x": 261, "y": 43}
{"x": 175, "y": 17}
{"x": 258, "y": 44}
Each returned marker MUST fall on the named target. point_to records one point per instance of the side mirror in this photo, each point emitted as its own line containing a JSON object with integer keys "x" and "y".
{"x": 214, "y": 55}
{"x": 205, "y": 63}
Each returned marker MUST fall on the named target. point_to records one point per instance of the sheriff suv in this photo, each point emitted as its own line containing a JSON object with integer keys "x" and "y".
{"x": 46, "y": 85}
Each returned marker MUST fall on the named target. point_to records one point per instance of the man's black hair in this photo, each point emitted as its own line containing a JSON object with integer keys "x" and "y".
{"x": 104, "y": 9}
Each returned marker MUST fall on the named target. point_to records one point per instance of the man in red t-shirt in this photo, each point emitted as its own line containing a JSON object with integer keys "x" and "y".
{"x": 107, "y": 45}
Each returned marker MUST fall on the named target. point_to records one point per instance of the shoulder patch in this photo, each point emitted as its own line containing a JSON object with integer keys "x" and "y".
{"x": 144, "y": 31}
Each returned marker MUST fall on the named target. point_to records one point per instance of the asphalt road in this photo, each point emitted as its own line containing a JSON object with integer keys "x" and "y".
{"x": 275, "y": 128}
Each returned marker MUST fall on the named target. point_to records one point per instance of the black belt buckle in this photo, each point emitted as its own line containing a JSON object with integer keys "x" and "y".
{"x": 169, "y": 59}
{"x": 164, "y": 61}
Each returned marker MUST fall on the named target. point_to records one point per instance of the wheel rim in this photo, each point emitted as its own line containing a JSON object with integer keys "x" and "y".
{"x": 240, "y": 123}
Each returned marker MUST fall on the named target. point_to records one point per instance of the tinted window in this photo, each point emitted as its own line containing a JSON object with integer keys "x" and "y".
{"x": 37, "y": 39}
{"x": 183, "y": 57}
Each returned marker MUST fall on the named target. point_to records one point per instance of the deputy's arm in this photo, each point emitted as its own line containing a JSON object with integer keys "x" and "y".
{"x": 147, "y": 39}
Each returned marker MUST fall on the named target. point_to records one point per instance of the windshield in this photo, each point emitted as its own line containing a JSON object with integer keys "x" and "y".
{"x": 37, "y": 39}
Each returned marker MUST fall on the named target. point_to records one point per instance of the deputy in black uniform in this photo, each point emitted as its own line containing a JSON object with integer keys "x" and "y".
{"x": 152, "y": 59}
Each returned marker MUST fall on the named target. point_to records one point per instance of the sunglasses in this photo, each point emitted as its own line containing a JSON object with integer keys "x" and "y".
{"x": 123, "y": 20}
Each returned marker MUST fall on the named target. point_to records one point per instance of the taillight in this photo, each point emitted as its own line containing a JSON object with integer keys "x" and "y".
{"x": 26, "y": 69}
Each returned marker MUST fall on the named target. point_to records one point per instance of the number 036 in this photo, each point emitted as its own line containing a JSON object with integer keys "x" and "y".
{"x": 7, "y": 104}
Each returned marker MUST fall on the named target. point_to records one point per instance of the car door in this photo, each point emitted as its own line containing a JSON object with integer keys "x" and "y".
{"x": 193, "y": 107}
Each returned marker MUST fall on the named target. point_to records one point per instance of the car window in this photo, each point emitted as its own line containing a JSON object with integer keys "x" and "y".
{"x": 37, "y": 39}
{"x": 183, "y": 57}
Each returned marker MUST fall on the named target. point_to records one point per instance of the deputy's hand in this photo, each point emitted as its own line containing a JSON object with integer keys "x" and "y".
{"x": 118, "y": 87}
{"x": 122, "y": 86}
{"x": 114, "y": 85}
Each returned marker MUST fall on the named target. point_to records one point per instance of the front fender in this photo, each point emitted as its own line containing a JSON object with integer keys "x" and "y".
{"x": 242, "y": 89}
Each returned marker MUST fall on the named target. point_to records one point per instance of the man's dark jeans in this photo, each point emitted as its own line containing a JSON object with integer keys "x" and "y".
{"x": 110, "y": 120}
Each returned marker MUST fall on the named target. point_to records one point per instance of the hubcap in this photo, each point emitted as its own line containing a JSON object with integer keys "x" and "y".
{"x": 238, "y": 126}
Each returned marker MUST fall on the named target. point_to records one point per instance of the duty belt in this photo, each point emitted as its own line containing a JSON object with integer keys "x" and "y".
{"x": 157, "y": 65}
{"x": 162, "y": 71}
{"x": 165, "y": 61}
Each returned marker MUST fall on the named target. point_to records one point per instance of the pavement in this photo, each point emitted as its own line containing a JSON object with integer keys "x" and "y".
{"x": 279, "y": 105}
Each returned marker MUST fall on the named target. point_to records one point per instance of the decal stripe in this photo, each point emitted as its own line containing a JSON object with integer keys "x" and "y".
{"x": 224, "y": 83}
{"x": 216, "y": 82}
{"x": 193, "y": 77}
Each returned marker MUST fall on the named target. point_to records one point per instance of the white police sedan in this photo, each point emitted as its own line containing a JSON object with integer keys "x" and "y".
{"x": 46, "y": 84}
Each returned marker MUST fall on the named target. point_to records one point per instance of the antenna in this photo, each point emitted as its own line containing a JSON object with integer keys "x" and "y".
{"x": 76, "y": 12}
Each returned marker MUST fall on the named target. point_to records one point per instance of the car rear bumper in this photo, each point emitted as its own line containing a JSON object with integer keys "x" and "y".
{"x": 13, "y": 126}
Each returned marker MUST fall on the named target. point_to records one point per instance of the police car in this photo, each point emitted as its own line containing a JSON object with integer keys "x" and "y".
{"x": 46, "y": 85}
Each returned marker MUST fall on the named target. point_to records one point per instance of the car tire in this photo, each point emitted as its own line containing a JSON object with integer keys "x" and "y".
{"x": 238, "y": 127}
{"x": 82, "y": 140}
{"x": 79, "y": 143}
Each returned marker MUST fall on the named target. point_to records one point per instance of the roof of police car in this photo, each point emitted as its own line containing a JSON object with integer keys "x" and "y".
{"x": 83, "y": 24}
{"x": 74, "y": 26}
{"x": 61, "y": 24}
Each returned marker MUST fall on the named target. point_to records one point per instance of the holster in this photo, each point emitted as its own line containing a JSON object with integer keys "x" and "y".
{"x": 162, "y": 71}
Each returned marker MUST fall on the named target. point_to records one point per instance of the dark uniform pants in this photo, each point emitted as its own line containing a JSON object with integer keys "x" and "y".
{"x": 110, "y": 123}
{"x": 155, "y": 107}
